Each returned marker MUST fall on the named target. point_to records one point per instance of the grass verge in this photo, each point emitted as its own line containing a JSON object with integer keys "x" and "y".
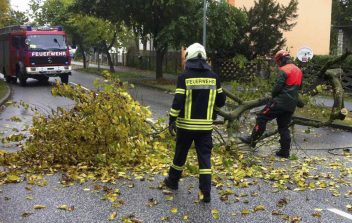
{"x": 3, "y": 88}
{"x": 321, "y": 113}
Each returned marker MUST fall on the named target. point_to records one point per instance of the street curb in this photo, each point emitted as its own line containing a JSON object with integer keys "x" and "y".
{"x": 4, "y": 99}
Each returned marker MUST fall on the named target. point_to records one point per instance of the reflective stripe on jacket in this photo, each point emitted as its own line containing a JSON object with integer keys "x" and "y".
{"x": 198, "y": 92}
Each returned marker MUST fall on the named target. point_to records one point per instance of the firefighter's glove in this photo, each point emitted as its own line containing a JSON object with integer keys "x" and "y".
{"x": 172, "y": 128}
{"x": 300, "y": 102}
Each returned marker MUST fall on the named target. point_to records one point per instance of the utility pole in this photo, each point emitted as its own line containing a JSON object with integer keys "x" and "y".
{"x": 205, "y": 24}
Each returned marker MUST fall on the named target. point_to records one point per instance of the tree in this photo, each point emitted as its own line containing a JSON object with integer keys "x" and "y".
{"x": 341, "y": 12}
{"x": 156, "y": 18}
{"x": 226, "y": 27}
{"x": 172, "y": 24}
{"x": 341, "y": 15}
{"x": 267, "y": 21}
{"x": 4, "y": 11}
{"x": 10, "y": 16}
{"x": 86, "y": 31}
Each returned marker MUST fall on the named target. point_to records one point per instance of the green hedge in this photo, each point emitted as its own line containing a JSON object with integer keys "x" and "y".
{"x": 320, "y": 60}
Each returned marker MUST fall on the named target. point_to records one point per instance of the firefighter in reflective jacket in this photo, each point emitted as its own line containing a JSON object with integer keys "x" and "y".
{"x": 283, "y": 104}
{"x": 198, "y": 92}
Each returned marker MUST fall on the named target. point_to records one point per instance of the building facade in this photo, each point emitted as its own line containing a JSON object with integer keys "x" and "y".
{"x": 313, "y": 25}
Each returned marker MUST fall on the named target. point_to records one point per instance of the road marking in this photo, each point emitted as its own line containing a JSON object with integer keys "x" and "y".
{"x": 341, "y": 213}
{"x": 80, "y": 85}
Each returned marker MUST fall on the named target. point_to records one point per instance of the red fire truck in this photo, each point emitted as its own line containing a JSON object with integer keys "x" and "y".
{"x": 28, "y": 52}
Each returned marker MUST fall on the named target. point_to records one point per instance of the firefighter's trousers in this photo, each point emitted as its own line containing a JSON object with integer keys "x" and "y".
{"x": 204, "y": 144}
{"x": 283, "y": 119}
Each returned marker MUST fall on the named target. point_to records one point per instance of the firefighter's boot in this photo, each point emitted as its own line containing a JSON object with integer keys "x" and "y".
{"x": 252, "y": 139}
{"x": 283, "y": 153}
{"x": 248, "y": 140}
{"x": 206, "y": 196}
{"x": 170, "y": 183}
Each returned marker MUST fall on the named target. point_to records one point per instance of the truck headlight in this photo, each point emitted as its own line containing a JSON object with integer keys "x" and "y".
{"x": 30, "y": 69}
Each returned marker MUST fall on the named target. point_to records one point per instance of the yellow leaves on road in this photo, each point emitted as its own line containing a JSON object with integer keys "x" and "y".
{"x": 112, "y": 216}
{"x": 259, "y": 208}
{"x": 39, "y": 206}
{"x": 26, "y": 214}
{"x": 106, "y": 137}
{"x": 317, "y": 214}
{"x": 215, "y": 214}
{"x": 169, "y": 198}
{"x": 11, "y": 178}
{"x": 65, "y": 207}
{"x": 349, "y": 207}
{"x": 152, "y": 202}
{"x": 245, "y": 211}
{"x": 165, "y": 218}
{"x": 174, "y": 210}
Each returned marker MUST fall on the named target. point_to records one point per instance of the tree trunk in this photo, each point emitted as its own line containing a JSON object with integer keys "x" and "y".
{"x": 83, "y": 56}
{"x": 107, "y": 48}
{"x": 136, "y": 37}
{"x": 99, "y": 61}
{"x": 160, "y": 53}
{"x": 144, "y": 42}
{"x": 111, "y": 64}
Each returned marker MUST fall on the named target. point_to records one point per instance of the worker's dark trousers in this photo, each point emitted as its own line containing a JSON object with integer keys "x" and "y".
{"x": 283, "y": 119}
{"x": 204, "y": 144}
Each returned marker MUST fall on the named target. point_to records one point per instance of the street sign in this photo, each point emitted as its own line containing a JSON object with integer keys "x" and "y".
{"x": 305, "y": 54}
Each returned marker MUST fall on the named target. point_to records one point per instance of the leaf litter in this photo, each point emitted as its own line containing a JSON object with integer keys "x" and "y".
{"x": 101, "y": 140}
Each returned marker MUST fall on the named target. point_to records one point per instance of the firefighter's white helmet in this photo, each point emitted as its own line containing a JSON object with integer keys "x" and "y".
{"x": 195, "y": 51}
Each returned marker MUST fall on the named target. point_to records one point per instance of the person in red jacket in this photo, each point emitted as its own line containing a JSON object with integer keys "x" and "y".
{"x": 282, "y": 105}
{"x": 198, "y": 92}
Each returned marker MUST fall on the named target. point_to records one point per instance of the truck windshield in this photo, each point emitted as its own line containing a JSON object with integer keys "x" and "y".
{"x": 46, "y": 42}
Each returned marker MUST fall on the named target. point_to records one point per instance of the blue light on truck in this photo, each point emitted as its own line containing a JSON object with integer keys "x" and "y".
{"x": 66, "y": 62}
{"x": 33, "y": 64}
{"x": 29, "y": 28}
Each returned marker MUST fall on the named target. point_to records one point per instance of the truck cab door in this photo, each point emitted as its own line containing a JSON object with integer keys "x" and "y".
{"x": 17, "y": 53}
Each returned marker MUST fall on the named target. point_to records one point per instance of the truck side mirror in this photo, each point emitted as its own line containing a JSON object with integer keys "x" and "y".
{"x": 27, "y": 42}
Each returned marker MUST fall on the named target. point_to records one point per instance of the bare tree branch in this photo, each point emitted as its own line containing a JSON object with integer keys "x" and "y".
{"x": 229, "y": 94}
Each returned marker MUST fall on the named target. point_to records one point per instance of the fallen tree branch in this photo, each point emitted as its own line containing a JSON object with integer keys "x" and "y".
{"x": 337, "y": 112}
{"x": 229, "y": 94}
{"x": 320, "y": 76}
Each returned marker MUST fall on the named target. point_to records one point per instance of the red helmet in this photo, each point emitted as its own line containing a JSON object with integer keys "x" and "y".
{"x": 280, "y": 54}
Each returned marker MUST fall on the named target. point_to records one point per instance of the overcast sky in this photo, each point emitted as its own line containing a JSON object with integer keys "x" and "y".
{"x": 21, "y": 5}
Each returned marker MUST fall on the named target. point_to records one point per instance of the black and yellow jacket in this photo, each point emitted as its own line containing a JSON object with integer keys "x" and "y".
{"x": 198, "y": 91}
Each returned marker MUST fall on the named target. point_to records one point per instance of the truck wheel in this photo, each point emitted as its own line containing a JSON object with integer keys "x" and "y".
{"x": 8, "y": 78}
{"x": 43, "y": 79}
{"x": 14, "y": 80}
{"x": 64, "y": 79}
{"x": 21, "y": 74}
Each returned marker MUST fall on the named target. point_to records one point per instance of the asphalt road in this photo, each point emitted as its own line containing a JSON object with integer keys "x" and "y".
{"x": 89, "y": 207}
